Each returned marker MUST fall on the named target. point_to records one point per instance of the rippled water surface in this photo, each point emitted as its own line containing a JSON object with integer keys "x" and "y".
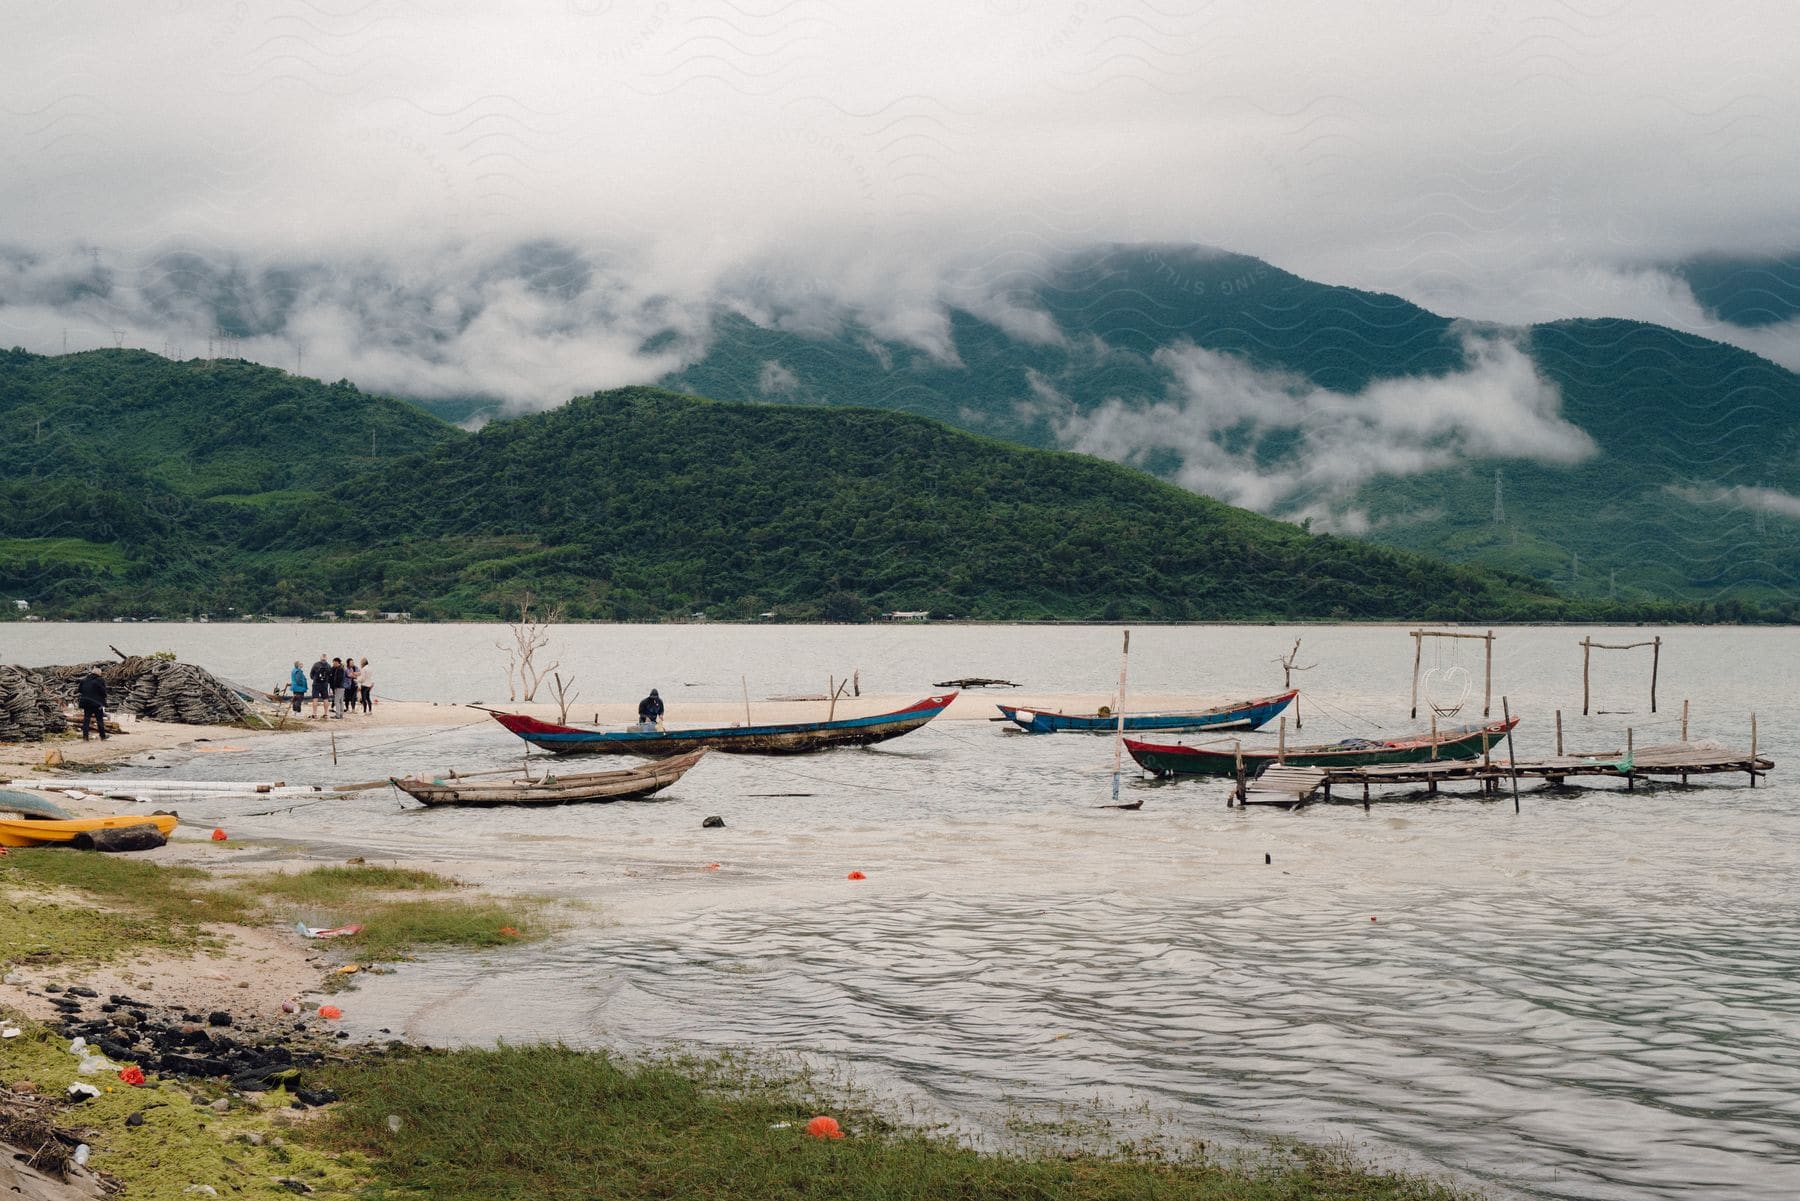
{"x": 1596, "y": 997}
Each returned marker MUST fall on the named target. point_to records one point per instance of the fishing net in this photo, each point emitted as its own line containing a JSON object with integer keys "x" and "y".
{"x": 33, "y": 699}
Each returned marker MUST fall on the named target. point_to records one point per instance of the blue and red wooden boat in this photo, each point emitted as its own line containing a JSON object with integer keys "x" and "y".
{"x": 791, "y": 738}
{"x": 1237, "y": 715}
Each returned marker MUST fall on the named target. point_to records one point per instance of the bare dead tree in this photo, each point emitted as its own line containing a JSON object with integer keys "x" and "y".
{"x": 529, "y": 635}
{"x": 1288, "y": 667}
{"x": 564, "y": 696}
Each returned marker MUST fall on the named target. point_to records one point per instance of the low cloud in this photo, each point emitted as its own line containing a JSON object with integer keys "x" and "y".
{"x": 1772, "y": 501}
{"x": 1275, "y": 442}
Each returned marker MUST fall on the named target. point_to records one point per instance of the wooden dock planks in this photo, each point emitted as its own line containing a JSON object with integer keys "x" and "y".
{"x": 1671, "y": 759}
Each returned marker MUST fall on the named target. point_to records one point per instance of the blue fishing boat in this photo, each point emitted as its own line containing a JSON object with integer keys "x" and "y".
{"x": 1237, "y": 715}
{"x": 791, "y": 738}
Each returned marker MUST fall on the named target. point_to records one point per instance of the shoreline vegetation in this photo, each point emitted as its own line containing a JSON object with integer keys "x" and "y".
{"x": 185, "y": 931}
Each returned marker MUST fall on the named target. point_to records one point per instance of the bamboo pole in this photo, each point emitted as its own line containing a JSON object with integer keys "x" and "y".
{"x": 1434, "y": 739}
{"x": 1418, "y": 656}
{"x": 745, "y": 681}
{"x": 1511, "y": 760}
{"x": 1630, "y": 754}
{"x": 1587, "y": 653}
{"x": 1753, "y": 750}
{"x": 1655, "y": 658}
{"x": 1281, "y": 744}
{"x": 1559, "y": 749}
{"x": 1119, "y": 713}
{"x": 1684, "y": 721}
{"x": 1487, "y": 692}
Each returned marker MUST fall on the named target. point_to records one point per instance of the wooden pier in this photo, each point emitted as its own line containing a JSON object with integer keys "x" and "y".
{"x": 1283, "y": 785}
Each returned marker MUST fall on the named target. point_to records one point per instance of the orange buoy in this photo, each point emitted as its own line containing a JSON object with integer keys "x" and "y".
{"x": 1371, "y": 919}
{"x": 856, "y": 876}
{"x": 330, "y": 1012}
{"x": 824, "y": 1127}
{"x": 219, "y": 835}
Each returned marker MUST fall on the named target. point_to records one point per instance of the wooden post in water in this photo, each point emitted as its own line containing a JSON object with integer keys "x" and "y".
{"x": 1434, "y": 735}
{"x": 334, "y": 750}
{"x": 1587, "y": 653}
{"x": 1655, "y": 657}
{"x": 1753, "y": 750}
{"x": 1630, "y": 751}
{"x": 1119, "y": 710}
{"x": 1418, "y": 656}
{"x": 1237, "y": 749}
{"x": 1511, "y": 760}
{"x": 1559, "y": 750}
{"x": 1487, "y": 689}
{"x": 1281, "y": 744}
{"x": 745, "y": 681}
{"x": 1684, "y": 721}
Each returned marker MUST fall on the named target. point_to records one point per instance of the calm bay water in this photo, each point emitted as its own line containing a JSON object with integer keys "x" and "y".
{"x": 1598, "y": 997}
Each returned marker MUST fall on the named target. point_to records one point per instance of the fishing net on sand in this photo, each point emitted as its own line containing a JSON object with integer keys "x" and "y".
{"x": 28, "y": 710}
{"x": 32, "y": 700}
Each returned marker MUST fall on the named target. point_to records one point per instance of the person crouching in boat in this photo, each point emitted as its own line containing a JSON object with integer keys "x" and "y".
{"x": 650, "y": 712}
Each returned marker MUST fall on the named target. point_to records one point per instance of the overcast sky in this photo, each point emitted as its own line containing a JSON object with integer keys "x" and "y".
{"x": 1508, "y": 161}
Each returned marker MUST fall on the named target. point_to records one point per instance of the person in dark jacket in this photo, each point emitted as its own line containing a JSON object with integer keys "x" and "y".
{"x": 650, "y": 709}
{"x": 336, "y": 677}
{"x": 90, "y": 694}
{"x": 321, "y": 682}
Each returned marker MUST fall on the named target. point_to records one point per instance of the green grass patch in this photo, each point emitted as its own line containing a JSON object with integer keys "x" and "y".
{"x": 333, "y": 884}
{"x": 549, "y": 1123}
{"x": 393, "y": 929}
{"x": 177, "y": 896}
{"x": 168, "y": 906}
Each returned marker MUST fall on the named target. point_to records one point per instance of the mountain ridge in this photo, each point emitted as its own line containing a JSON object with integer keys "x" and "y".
{"x": 635, "y": 504}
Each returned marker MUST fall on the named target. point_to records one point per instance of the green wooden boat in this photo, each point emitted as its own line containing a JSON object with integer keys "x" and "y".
{"x": 1174, "y": 759}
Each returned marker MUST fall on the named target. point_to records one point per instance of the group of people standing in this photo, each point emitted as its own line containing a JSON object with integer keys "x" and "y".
{"x": 336, "y": 686}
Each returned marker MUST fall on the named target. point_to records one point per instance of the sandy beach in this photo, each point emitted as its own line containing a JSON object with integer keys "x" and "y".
{"x": 139, "y": 737}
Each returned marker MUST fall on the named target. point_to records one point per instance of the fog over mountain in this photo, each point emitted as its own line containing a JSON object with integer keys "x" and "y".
{"x": 458, "y": 197}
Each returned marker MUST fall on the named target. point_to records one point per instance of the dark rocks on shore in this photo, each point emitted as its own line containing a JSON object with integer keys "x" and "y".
{"x": 176, "y": 1044}
{"x": 713, "y": 823}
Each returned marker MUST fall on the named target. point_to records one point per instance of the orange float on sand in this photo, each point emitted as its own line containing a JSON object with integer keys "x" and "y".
{"x": 824, "y": 1127}
{"x": 856, "y": 876}
{"x": 330, "y": 1012}
{"x": 219, "y": 835}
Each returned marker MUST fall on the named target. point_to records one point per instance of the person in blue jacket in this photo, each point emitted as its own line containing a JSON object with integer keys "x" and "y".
{"x": 297, "y": 685}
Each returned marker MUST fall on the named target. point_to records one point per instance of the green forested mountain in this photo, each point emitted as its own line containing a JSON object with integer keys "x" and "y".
{"x": 137, "y": 486}
{"x": 1688, "y": 484}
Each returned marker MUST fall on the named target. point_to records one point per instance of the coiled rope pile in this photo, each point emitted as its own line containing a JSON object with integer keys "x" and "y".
{"x": 27, "y": 710}
{"x": 32, "y": 699}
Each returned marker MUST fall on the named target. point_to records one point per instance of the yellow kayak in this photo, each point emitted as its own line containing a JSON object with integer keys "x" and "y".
{"x": 31, "y": 833}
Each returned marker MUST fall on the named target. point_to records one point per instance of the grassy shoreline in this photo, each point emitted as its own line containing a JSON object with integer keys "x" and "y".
{"x": 539, "y": 1121}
